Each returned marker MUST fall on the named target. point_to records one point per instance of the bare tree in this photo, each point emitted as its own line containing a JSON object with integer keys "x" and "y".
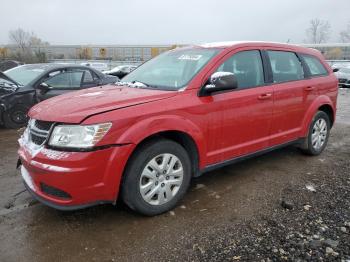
{"x": 28, "y": 46}
{"x": 20, "y": 38}
{"x": 35, "y": 41}
{"x": 319, "y": 31}
{"x": 345, "y": 34}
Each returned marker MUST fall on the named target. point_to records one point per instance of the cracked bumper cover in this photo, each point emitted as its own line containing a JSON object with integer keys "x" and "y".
{"x": 89, "y": 178}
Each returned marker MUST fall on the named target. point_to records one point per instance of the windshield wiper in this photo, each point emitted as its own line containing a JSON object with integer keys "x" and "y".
{"x": 136, "y": 84}
{"x": 139, "y": 84}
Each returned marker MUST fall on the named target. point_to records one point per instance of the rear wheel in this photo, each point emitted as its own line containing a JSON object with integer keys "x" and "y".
{"x": 157, "y": 177}
{"x": 318, "y": 135}
{"x": 16, "y": 117}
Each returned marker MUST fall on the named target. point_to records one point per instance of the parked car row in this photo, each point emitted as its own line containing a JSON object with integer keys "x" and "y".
{"x": 24, "y": 86}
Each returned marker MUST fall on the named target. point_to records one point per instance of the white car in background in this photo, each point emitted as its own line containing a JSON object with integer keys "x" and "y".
{"x": 343, "y": 75}
{"x": 96, "y": 65}
{"x": 120, "y": 71}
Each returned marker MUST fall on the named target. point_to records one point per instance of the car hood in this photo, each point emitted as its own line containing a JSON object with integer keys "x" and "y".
{"x": 74, "y": 107}
{"x": 7, "y": 85}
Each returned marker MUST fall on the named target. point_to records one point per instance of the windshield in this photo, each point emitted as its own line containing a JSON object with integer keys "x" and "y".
{"x": 171, "y": 70}
{"x": 24, "y": 74}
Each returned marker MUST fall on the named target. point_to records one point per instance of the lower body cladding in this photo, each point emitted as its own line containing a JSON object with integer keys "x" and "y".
{"x": 74, "y": 180}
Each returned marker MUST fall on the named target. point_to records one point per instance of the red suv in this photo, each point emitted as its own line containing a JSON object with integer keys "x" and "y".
{"x": 185, "y": 112}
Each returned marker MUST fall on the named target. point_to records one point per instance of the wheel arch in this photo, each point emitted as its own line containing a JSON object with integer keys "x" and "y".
{"x": 322, "y": 103}
{"x": 329, "y": 111}
{"x": 180, "y": 137}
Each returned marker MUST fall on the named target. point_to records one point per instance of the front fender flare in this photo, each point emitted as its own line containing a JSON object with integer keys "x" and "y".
{"x": 157, "y": 124}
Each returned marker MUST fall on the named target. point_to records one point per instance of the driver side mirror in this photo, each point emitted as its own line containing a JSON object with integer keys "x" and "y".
{"x": 335, "y": 70}
{"x": 43, "y": 87}
{"x": 220, "y": 81}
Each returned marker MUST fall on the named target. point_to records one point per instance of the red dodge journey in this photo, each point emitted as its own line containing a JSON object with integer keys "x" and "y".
{"x": 187, "y": 111}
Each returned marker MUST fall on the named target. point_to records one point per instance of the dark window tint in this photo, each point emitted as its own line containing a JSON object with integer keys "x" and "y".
{"x": 315, "y": 66}
{"x": 65, "y": 80}
{"x": 247, "y": 67}
{"x": 285, "y": 66}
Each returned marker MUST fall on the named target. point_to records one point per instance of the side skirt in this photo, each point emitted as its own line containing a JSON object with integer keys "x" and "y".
{"x": 248, "y": 156}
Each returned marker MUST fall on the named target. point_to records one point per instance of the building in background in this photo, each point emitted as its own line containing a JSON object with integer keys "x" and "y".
{"x": 141, "y": 53}
{"x": 137, "y": 53}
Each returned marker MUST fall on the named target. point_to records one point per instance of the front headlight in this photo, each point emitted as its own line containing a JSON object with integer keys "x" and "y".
{"x": 78, "y": 136}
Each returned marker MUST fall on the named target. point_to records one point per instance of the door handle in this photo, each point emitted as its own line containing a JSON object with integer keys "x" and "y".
{"x": 309, "y": 88}
{"x": 265, "y": 96}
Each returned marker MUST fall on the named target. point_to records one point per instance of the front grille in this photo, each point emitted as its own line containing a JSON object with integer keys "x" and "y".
{"x": 43, "y": 125}
{"x": 38, "y": 140}
{"x": 39, "y": 131}
{"x": 52, "y": 191}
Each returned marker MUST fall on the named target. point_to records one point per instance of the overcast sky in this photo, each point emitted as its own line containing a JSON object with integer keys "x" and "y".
{"x": 169, "y": 22}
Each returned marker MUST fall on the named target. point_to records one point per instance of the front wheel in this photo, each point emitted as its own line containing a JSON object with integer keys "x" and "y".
{"x": 16, "y": 117}
{"x": 318, "y": 135}
{"x": 157, "y": 177}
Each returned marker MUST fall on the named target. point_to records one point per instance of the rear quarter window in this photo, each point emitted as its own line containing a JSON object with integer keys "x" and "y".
{"x": 316, "y": 68}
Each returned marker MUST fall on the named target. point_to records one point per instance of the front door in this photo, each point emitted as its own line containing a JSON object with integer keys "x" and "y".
{"x": 246, "y": 111}
{"x": 60, "y": 82}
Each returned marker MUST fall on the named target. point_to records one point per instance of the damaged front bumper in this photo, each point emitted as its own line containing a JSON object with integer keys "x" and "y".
{"x": 72, "y": 180}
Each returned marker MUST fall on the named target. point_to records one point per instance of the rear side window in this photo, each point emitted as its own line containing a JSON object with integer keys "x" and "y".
{"x": 286, "y": 66}
{"x": 315, "y": 66}
{"x": 88, "y": 77}
{"x": 247, "y": 67}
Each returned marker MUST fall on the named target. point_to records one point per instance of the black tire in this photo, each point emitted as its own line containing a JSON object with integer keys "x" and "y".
{"x": 308, "y": 147}
{"x": 130, "y": 190}
{"x": 16, "y": 116}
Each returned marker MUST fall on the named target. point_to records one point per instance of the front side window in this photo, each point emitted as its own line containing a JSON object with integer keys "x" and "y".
{"x": 247, "y": 67}
{"x": 172, "y": 70}
{"x": 65, "y": 80}
{"x": 286, "y": 66}
{"x": 315, "y": 66}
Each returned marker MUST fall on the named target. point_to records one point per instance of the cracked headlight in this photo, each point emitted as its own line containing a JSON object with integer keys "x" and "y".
{"x": 78, "y": 136}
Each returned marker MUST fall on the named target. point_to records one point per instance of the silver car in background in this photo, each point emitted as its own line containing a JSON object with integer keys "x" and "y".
{"x": 343, "y": 75}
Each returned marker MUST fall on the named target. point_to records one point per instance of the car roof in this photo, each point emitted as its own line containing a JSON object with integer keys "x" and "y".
{"x": 53, "y": 66}
{"x": 49, "y": 66}
{"x": 227, "y": 44}
{"x": 259, "y": 44}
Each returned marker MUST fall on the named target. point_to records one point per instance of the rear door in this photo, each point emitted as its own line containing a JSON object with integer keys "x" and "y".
{"x": 291, "y": 94}
{"x": 246, "y": 111}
